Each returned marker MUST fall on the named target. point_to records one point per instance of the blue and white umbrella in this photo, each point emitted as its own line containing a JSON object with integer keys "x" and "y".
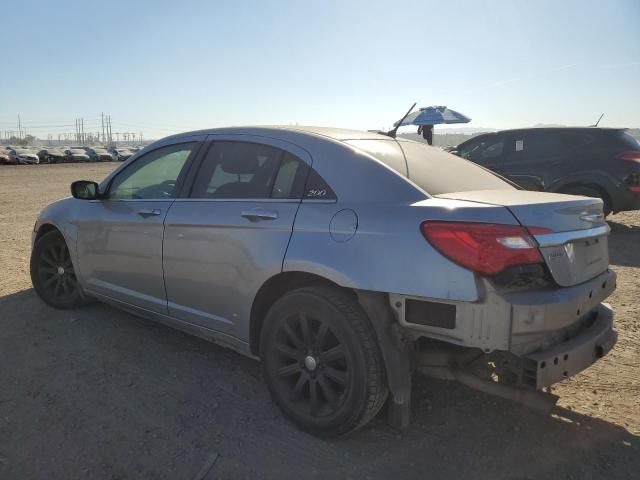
{"x": 435, "y": 115}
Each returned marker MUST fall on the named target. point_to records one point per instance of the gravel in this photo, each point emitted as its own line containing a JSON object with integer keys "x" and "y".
{"x": 97, "y": 393}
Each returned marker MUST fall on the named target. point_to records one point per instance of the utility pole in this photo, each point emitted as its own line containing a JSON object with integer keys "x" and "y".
{"x": 102, "y": 117}
{"x": 19, "y": 128}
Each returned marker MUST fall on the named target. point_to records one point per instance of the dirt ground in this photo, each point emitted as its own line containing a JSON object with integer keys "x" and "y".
{"x": 98, "y": 393}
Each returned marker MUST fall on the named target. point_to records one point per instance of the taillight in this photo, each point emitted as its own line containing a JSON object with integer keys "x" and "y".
{"x": 485, "y": 248}
{"x": 630, "y": 156}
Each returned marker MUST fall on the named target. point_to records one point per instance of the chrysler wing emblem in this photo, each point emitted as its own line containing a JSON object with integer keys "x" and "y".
{"x": 593, "y": 217}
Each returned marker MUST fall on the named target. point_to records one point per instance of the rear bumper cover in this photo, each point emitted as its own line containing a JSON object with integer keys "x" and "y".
{"x": 563, "y": 360}
{"x": 517, "y": 322}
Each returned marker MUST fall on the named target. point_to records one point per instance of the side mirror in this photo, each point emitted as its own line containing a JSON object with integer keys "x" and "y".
{"x": 85, "y": 190}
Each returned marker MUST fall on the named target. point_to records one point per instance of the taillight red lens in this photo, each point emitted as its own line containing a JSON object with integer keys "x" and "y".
{"x": 631, "y": 156}
{"x": 485, "y": 248}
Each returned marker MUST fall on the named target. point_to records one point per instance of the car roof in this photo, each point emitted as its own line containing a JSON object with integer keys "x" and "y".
{"x": 339, "y": 134}
{"x": 559, "y": 129}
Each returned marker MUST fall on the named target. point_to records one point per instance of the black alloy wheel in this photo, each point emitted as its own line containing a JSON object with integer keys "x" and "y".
{"x": 321, "y": 361}
{"x": 53, "y": 274}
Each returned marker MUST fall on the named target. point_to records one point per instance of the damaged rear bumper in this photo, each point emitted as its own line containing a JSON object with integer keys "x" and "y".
{"x": 546, "y": 367}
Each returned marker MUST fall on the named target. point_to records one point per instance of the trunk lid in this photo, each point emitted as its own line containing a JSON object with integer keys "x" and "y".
{"x": 576, "y": 249}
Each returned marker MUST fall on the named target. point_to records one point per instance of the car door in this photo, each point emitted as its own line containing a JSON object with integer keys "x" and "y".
{"x": 120, "y": 236}
{"x": 231, "y": 234}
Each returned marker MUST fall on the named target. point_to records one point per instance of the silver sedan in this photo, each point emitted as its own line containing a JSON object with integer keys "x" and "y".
{"x": 346, "y": 261}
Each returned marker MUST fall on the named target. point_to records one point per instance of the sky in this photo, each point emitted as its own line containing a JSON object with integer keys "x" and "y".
{"x": 161, "y": 67}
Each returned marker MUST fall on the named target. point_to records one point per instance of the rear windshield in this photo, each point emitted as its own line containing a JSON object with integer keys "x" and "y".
{"x": 434, "y": 170}
{"x": 628, "y": 141}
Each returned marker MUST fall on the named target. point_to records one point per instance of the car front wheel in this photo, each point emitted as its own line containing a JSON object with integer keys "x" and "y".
{"x": 321, "y": 361}
{"x": 53, "y": 274}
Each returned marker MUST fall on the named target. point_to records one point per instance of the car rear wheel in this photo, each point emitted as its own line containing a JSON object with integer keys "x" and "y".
{"x": 321, "y": 361}
{"x": 53, "y": 274}
{"x": 591, "y": 192}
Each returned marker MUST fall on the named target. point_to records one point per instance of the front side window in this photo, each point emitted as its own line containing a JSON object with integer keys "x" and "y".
{"x": 484, "y": 150}
{"x": 242, "y": 170}
{"x": 152, "y": 176}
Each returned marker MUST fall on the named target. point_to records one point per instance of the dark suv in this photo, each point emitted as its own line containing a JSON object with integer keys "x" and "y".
{"x": 596, "y": 162}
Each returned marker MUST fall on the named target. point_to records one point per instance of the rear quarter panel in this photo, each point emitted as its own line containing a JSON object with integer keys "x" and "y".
{"x": 388, "y": 252}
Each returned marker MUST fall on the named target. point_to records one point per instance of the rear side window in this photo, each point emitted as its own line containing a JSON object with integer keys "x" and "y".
{"x": 538, "y": 145}
{"x": 242, "y": 170}
{"x": 438, "y": 172}
{"x": 578, "y": 139}
{"x": 317, "y": 189}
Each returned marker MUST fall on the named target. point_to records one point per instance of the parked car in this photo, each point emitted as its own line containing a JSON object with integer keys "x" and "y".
{"x": 51, "y": 155}
{"x": 5, "y": 158}
{"x": 343, "y": 260}
{"x": 23, "y": 156}
{"x": 120, "y": 154}
{"x": 596, "y": 162}
{"x": 76, "y": 155}
{"x": 97, "y": 154}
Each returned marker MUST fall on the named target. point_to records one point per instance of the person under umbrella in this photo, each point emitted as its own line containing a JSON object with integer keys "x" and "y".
{"x": 427, "y": 133}
{"x": 426, "y": 118}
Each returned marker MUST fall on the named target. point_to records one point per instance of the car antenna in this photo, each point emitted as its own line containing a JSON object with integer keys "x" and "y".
{"x": 598, "y": 121}
{"x": 392, "y": 133}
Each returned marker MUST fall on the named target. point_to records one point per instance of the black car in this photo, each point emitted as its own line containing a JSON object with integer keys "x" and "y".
{"x": 98, "y": 154}
{"x": 595, "y": 162}
{"x": 51, "y": 155}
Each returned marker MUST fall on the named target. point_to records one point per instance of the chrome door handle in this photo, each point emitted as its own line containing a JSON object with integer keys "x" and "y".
{"x": 259, "y": 214}
{"x": 149, "y": 212}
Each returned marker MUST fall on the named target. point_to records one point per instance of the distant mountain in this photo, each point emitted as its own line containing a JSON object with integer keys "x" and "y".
{"x": 442, "y": 139}
{"x": 463, "y": 130}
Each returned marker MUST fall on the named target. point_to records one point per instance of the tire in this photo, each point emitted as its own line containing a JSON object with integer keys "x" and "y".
{"x": 52, "y": 272}
{"x": 591, "y": 192}
{"x": 328, "y": 377}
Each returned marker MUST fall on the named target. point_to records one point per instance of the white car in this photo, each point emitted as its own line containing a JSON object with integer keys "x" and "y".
{"x": 24, "y": 157}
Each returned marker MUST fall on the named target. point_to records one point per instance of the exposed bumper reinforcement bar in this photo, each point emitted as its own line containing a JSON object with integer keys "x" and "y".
{"x": 563, "y": 360}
